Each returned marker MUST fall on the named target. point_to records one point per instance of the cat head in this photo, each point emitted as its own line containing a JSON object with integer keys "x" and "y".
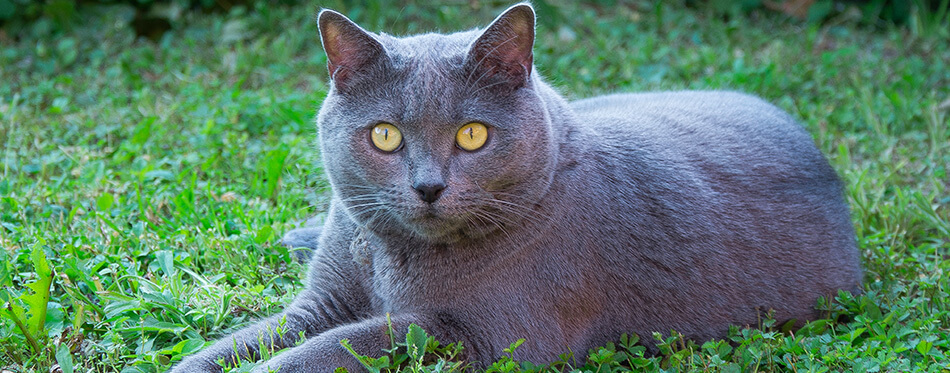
{"x": 439, "y": 137}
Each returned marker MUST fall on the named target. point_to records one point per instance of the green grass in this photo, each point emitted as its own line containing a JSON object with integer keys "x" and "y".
{"x": 144, "y": 184}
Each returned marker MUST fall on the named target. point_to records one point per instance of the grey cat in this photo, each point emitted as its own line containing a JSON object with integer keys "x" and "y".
{"x": 471, "y": 199}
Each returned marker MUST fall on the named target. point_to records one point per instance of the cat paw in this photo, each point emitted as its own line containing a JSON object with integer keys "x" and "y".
{"x": 322, "y": 354}
{"x": 196, "y": 365}
{"x": 305, "y": 240}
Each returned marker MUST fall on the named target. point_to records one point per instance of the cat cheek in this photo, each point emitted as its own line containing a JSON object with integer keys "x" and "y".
{"x": 368, "y": 164}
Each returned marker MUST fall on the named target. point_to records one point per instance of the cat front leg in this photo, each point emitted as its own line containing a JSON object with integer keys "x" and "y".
{"x": 274, "y": 332}
{"x": 336, "y": 295}
{"x": 370, "y": 337}
{"x": 310, "y": 314}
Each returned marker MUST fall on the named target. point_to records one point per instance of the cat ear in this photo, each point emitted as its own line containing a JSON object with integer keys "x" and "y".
{"x": 347, "y": 45}
{"x": 504, "y": 48}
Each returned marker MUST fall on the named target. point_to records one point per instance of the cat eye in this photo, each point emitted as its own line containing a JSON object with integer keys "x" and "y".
{"x": 472, "y": 136}
{"x": 386, "y": 137}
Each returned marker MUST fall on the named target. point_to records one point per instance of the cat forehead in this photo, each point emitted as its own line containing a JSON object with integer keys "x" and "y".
{"x": 424, "y": 80}
{"x": 428, "y": 47}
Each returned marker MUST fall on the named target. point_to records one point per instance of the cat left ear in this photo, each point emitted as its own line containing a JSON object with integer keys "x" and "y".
{"x": 347, "y": 45}
{"x": 505, "y": 48}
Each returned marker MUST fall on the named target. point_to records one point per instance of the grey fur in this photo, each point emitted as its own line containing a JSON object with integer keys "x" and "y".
{"x": 577, "y": 222}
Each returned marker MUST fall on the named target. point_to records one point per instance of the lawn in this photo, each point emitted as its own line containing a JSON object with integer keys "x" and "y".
{"x": 145, "y": 183}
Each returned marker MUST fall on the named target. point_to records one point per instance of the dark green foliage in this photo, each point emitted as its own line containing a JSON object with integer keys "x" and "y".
{"x": 418, "y": 352}
{"x": 153, "y": 178}
{"x": 152, "y": 18}
{"x": 154, "y": 14}
{"x": 872, "y": 343}
{"x": 875, "y": 12}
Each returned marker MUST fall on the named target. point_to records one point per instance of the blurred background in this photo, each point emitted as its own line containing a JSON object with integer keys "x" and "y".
{"x": 152, "y": 18}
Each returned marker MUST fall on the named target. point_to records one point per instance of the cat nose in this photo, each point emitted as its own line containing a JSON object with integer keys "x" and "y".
{"x": 429, "y": 192}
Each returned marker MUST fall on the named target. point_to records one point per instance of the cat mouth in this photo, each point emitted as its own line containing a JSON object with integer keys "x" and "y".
{"x": 430, "y": 219}
{"x": 432, "y": 223}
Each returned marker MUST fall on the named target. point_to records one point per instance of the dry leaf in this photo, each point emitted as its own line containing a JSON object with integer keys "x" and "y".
{"x": 794, "y": 8}
{"x": 945, "y": 105}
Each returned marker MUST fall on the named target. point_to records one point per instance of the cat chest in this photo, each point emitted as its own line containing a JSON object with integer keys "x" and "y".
{"x": 446, "y": 282}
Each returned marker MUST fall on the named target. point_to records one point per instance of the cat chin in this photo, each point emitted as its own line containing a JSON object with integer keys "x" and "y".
{"x": 433, "y": 228}
{"x": 442, "y": 229}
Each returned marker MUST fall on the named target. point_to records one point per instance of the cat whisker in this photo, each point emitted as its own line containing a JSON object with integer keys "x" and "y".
{"x": 356, "y": 185}
{"x": 368, "y": 204}
{"x": 519, "y": 210}
{"x": 359, "y": 212}
{"x": 503, "y": 217}
{"x": 360, "y": 200}
{"x": 512, "y": 206}
{"x": 514, "y": 199}
{"x": 359, "y": 197}
{"x": 493, "y": 221}
{"x": 380, "y": 217}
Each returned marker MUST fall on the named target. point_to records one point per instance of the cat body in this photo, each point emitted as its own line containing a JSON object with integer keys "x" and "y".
{"x": 572, "y": 224}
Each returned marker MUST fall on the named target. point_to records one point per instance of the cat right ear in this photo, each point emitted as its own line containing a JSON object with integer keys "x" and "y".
{"x": 349, "y": 48}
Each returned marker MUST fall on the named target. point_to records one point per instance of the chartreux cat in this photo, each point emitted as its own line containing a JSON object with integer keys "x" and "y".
{"x": 470, "y": 198}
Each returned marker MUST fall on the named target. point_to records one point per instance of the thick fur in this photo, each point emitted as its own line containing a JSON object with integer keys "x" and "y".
{"x": 575, "y": 223}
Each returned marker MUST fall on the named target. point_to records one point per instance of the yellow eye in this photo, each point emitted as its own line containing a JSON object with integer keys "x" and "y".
{"x": 386, "y": 137}
{"x": 472, "y": 136}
